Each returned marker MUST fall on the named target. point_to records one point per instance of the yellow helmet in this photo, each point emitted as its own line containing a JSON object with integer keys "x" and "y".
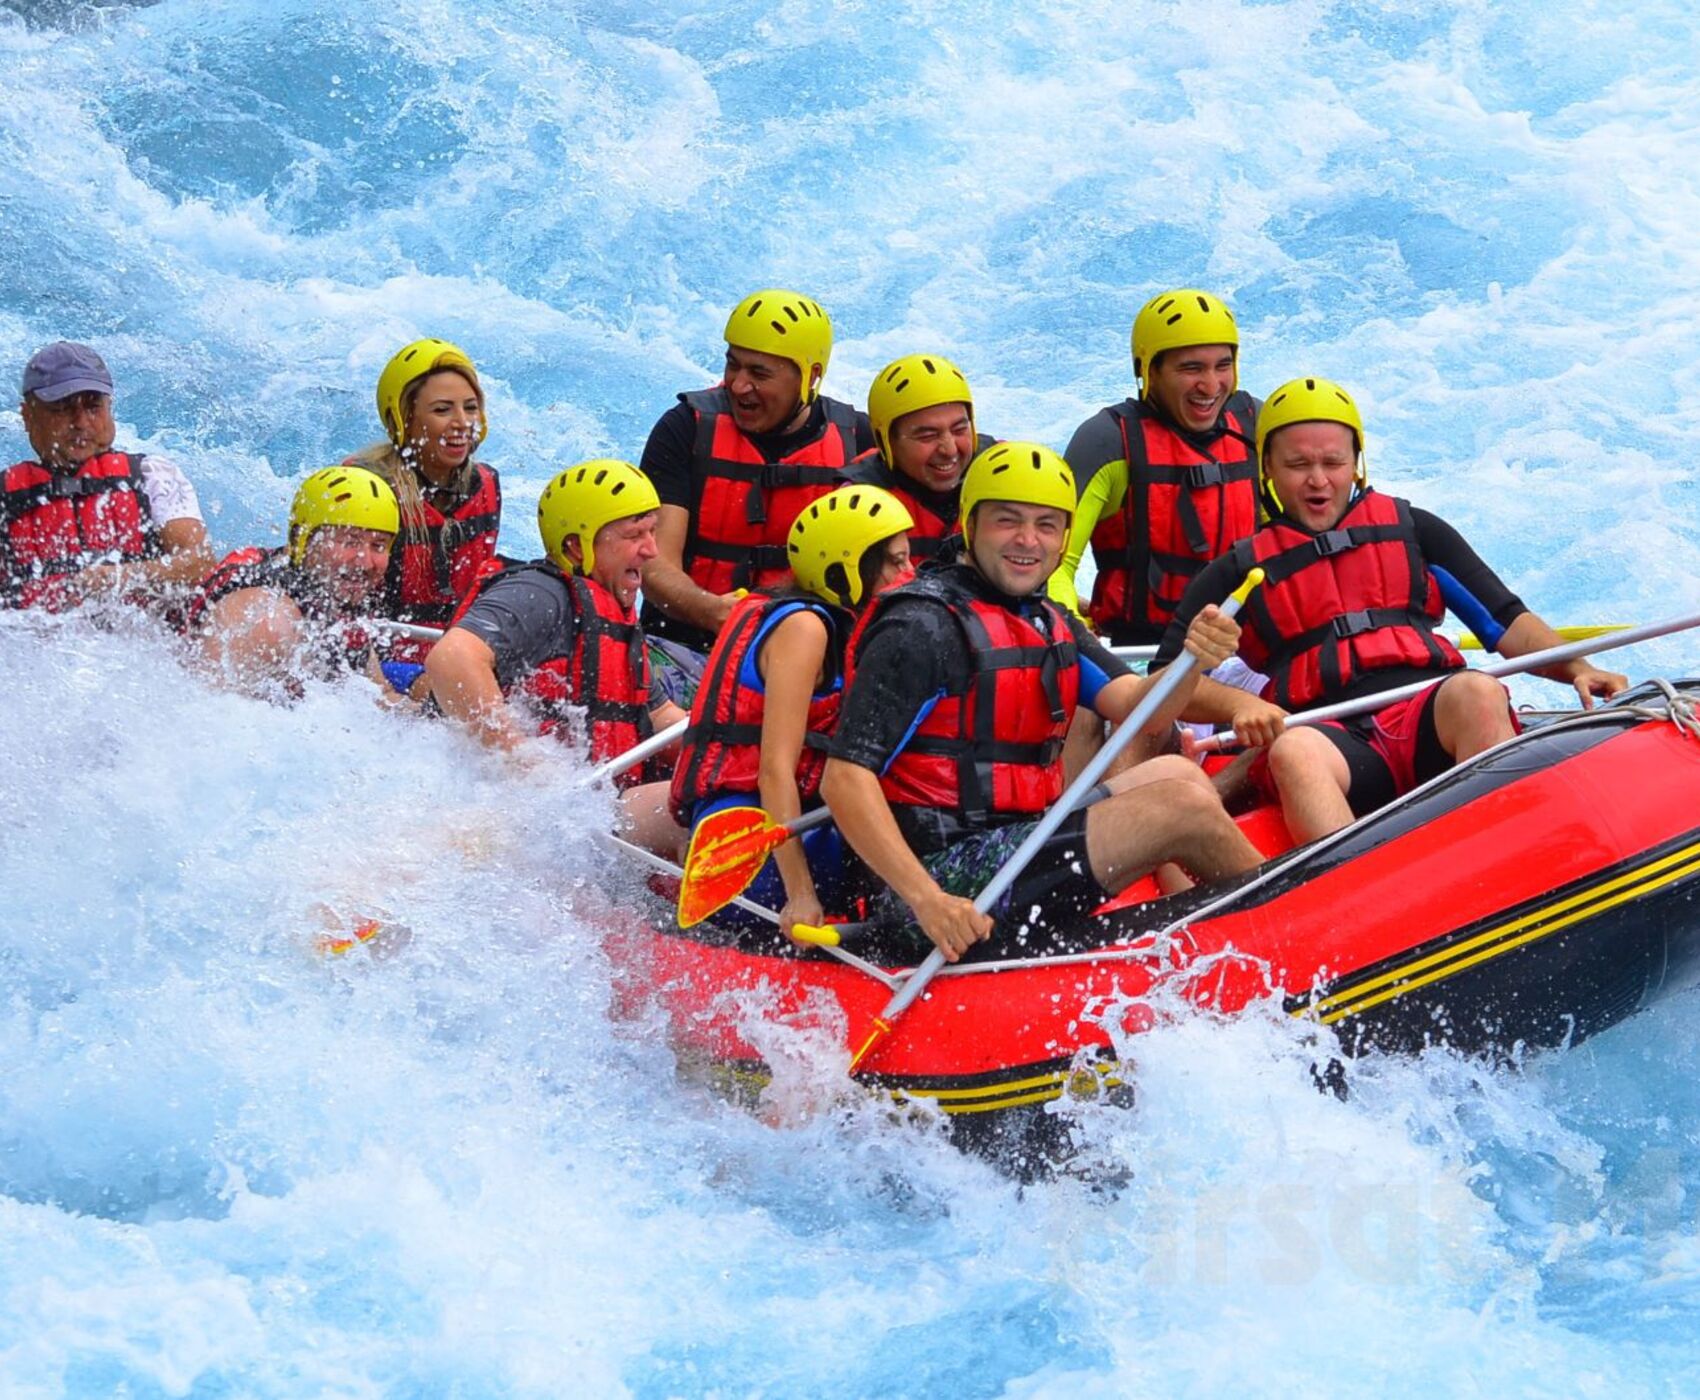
{"x": 582, "y": 499}
{"x": 340, "y": 496}
{"x": 1173, "y": 320}
{"x": 1016, "y": 471}
{"x": 840, "y": 528}
{"x": 794, "y": 327}
{"x": 909, "y": 384}
{"x": 409, "y": 365}
{"x": 1308, "y": 401}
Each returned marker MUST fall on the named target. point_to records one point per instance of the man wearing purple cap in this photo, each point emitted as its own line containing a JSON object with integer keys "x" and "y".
{"x": 82, "y": 521}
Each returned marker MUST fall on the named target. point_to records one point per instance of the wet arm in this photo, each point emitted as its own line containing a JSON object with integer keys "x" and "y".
{"x": 789, "y": 664}
{"x": 864, "y": 817}
{"x": 670, "y": 588}
{"x": 185, "y": 559}
{"x": 462, "y": 671}
{"x": 250, "y": 639}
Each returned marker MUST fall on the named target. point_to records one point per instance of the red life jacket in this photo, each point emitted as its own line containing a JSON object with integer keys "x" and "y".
{"x": 745, "y": 505}
{"x": 722, "y": 748}
{"x": 338, "y": 642}
{"x": 606, "y": 672}
{"x": 937, "y": 536}
{"x": 57, "y": 523}
{"x": 426, "y": 578}
{"x": 1183, "y": 508}
{"x": 1339, "y": 604}
{"x": 990, "y": 751}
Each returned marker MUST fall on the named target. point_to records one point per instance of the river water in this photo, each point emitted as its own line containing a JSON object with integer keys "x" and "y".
{"x": 229, "y": 1167}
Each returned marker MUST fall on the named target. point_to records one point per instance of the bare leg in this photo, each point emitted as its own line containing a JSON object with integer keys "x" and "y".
{"x": 1470, "y": 714}
{"x": 644, "y": 820}
{"x": 1164, "y": 810}
{"x": 1312, "y": 778}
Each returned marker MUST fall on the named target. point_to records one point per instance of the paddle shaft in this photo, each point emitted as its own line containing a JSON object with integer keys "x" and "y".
{"x": 1046, "y": 826}
{"x": 636, "y": 754}
{"x": 1510, "y": 666}
{"x": 411, "y": 630}
{"x": 1469, "y": 641}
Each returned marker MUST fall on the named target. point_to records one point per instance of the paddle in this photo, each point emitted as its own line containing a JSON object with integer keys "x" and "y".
{"x": 1083, "y": 785}
{"x": 1467, "y": 641}
{"x": 727, "y": 851}
{"x": 827, "y": 938}
{"x": 1510, "y": 666}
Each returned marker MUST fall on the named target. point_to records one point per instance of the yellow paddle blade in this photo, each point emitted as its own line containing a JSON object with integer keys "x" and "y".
{"x": 335, "y": 945}
{"x": 727, "y": 851}
{"x": 1471, "y": 642}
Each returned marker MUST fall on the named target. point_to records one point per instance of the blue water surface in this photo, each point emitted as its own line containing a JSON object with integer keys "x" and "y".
{"x": 229, "y": 1167}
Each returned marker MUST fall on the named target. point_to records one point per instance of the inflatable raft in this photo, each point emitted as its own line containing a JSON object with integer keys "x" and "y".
{"x": 1531, "y": 897}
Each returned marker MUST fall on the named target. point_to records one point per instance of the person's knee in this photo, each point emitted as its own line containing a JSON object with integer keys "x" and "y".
{"x": 1297, "y": 754}
{"x": 1180, "y": 803}
{"x": 1474, "y": 691}
{"x": 1172, "y": 768}
{"x": 1470, "y": 698}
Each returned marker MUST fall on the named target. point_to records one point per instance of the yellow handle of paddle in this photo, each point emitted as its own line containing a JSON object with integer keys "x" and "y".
{"x": 821, "y": 935}
{"x": 1251, "y": 580}
{"x": 1471, "y": 642}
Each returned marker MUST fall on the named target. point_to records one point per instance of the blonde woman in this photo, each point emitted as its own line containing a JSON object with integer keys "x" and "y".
{"x": 432, "y": 406}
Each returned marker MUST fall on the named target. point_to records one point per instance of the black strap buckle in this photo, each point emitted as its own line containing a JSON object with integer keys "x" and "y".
{"x": 1206, "y": 474}
{"x": 1352, "y": 624}
{"x": 1334, "y": 542}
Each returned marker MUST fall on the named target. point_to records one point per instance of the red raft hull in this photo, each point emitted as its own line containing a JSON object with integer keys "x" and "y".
{"x": 1529, "y": 898}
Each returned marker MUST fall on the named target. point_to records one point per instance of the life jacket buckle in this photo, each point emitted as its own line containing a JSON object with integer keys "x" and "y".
{"x": 1351, "y": 624}
{"x": 1334, "y": 542}
{"x": 1204, "y": 474}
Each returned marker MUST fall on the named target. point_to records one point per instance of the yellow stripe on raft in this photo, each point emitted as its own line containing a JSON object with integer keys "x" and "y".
{"x": 1504, "y": 937}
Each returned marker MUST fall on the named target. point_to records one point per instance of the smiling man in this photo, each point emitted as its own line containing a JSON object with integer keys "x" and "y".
{"x": 922, "y": 416}
{"x": 82, "y": 521}
{"x": 949, "y": 742}
{"x": 563, "y": 632}
{"x": 265, "y": 619}
{"x": 1356, "y": 584}
{"x": 734, "y": 466}
{"x": 1167, "y": 482}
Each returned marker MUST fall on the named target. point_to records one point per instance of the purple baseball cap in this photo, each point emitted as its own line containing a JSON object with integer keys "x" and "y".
{"x": 65, "y": 368}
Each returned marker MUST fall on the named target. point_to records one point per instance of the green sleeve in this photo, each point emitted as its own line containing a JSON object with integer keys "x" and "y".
{"x": 1103, "y": 496}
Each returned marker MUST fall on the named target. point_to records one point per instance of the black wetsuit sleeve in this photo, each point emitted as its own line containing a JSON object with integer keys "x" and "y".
{"x": 1213, "y": 584}
{"x": 667, "y": 456}
{"x": 907, "y": 657}
{"x": 1092, "y": 648}
{"x": 1096, "y": 443}
{"x": 1444, "y": 548}
{"x": 525, "y": 620}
